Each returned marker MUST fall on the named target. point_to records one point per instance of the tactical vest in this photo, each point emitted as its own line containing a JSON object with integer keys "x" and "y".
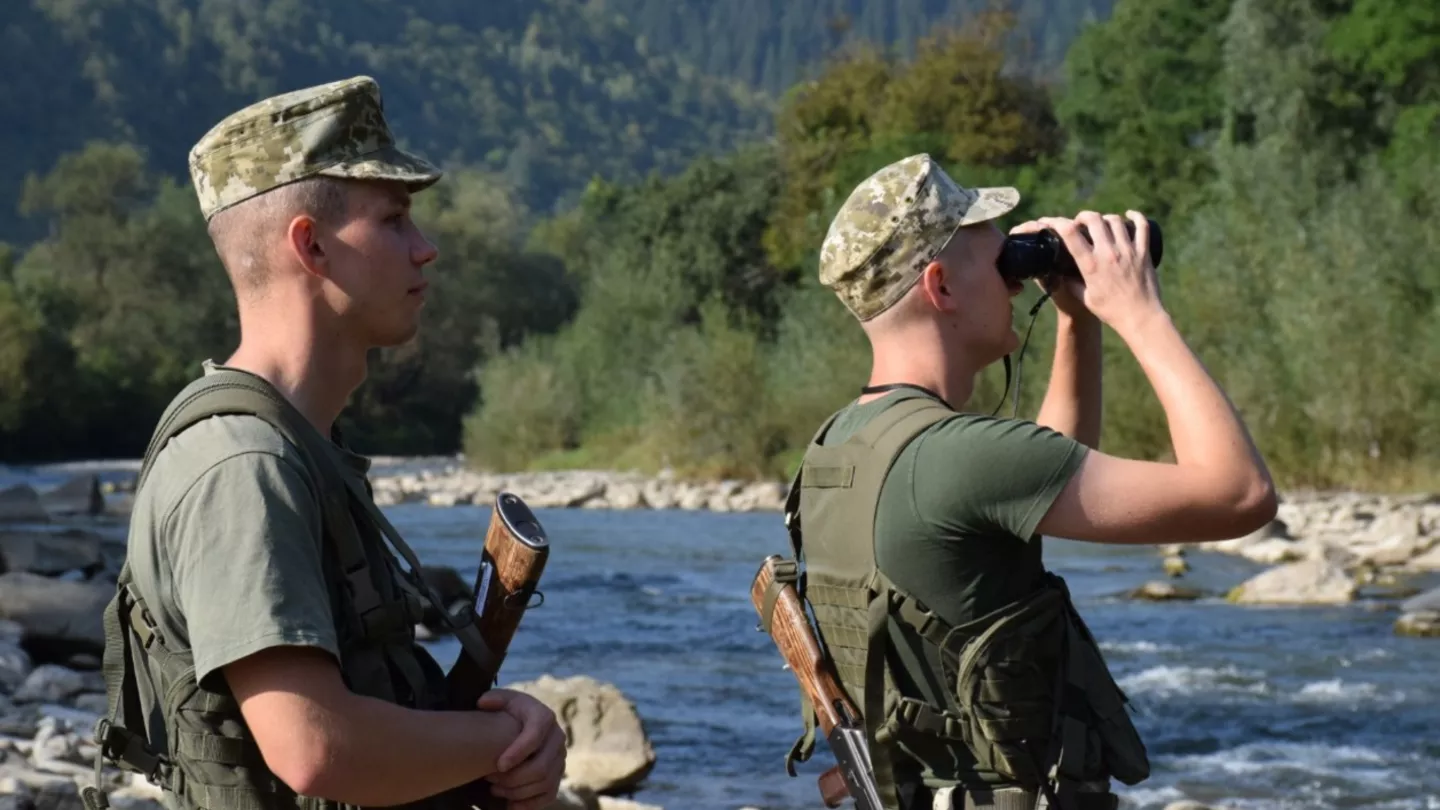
{"x": 1028, "y": 674}
{"x": 213, "y": 762}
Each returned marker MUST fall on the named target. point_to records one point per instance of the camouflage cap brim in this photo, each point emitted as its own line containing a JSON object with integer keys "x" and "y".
{"x": 389, "y": 163}
{"x": 991, "y": 203}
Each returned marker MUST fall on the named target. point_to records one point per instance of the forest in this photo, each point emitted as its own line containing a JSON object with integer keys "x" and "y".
{"x": 629, "y": 232}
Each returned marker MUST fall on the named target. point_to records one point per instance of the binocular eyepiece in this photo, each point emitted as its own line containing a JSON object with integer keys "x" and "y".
{"x": 1043, "y": 253}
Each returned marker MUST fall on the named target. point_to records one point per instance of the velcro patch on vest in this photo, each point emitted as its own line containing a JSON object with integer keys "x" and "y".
{"x": 829, "y": 476}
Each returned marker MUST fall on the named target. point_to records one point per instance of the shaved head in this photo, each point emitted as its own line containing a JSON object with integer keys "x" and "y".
{"x": 245, "y": 234}
{"x": 914, "y": 304}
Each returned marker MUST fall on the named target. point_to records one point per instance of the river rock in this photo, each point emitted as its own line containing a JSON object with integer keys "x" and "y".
{"x": 451, "y": 590}
{"x": 624, "y": 495}
{"x": 608, "y": 749}
{"x": 574, "y": 797}
{"x": 659, "y": 494}
{"x": 60, "y": 618}
{"x": 15, "y": 666}
{"x": 59, "y": 796}
{"x": 51, "y": 553}
{"x": 1425, "y": 623}
{"x": 1392, "y": 539}
{"x": 78, "y": 496}
{"x": 1427, "y": 561}
{"x": 615, "y": 803}
{"x": 1316, "y": 581}
{"x": 1429, "y": 600}
{"x": 1165, "y": 592}
{"x": 21, "y": 504}
{"x": 1268, "y": 545}
{"x": 52, "y": 683}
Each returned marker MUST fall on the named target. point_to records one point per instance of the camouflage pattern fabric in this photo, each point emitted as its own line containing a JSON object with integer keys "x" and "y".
{"x": 336, "y": 129}
{"x": 893, "y": 225}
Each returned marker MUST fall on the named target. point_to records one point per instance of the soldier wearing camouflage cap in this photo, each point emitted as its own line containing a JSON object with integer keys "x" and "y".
{"x": 920, "y": 524}
{"x": 260, "y": 649}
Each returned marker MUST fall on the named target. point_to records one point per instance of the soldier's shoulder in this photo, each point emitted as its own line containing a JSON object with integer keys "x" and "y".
{"x": 232, "y": 440}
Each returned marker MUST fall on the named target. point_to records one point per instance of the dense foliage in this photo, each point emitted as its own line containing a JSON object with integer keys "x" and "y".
{"x": 775, "y": 44}
{"x": 543, "y": 94}
{"x": 589, "y": 314}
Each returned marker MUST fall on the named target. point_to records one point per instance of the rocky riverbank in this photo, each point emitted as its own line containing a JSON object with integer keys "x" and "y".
{"x": 453, "y": 485}
{"x": 60, "y": 552}
{"x": 60, "y": 549}
{"x": 1331, "y": 549}
{"x": 1322, "y": 548}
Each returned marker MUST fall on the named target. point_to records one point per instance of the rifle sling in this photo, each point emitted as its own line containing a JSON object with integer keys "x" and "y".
{"x": 785, "y": 574}
{"x": 465, "y": 629}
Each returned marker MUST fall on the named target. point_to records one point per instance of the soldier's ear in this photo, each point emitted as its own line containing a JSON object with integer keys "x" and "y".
{"x": 935, "y": 287}
{"x": 305, "y": 244}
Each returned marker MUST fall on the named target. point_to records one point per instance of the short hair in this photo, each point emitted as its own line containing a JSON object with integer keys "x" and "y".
{"x": 235, "y": 231}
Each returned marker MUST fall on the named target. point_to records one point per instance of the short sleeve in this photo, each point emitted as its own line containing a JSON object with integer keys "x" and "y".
{"x": 982, "y": 475}
{"x": 248, "y": 573}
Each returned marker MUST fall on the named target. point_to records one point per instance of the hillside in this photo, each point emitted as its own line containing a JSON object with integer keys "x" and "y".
{"x": 772, "y": 44}
{"x": 546, "y": 94}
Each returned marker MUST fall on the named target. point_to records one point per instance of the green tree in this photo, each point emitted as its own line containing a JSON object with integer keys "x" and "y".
{"x": 955, "y": 100}
{"x": 1142, "y": 102}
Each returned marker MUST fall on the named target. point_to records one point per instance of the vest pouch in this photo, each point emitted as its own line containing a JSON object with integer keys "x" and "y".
{"x": 220, "y": 766}
{"x": 1113, "y": 745}
{"x": 1005, "y": 686}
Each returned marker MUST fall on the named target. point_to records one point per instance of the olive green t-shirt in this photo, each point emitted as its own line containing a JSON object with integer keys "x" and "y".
{"x": 955, "y": 525}
{"x": 225, "y": 547}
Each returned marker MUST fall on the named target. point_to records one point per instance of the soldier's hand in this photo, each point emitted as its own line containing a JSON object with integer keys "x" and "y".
{"x": 1120, "y": 281}
{"x": 534, "y": 783}
{"x": 536, "y": 723}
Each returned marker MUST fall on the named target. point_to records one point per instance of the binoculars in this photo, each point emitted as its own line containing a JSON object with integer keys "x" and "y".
{"x": 1043, "y": 254}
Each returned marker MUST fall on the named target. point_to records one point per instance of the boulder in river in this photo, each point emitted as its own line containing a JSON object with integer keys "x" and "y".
{"x": 51, "y": 553}
{"x": 1157, "y": 591}
{"x": 608, "y": 749}
{"x": 21, "y": 504}
{"x": 1316, "y": 581}
{"x": 61, "y": 618}
{"x": 1424, "y": 623}
{"x": 80, "y": 495}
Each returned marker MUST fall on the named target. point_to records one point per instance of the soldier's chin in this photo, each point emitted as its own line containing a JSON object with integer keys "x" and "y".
{"x": 398, "y": 335}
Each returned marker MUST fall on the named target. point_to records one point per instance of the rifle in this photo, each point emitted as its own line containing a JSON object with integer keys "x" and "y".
{"x": 511, "y": 562}
{"x": 839, "y": 720}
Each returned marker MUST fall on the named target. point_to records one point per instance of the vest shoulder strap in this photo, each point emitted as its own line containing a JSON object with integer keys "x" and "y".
{"x": 861, "y": 463}
{"x": 228, "y": 391}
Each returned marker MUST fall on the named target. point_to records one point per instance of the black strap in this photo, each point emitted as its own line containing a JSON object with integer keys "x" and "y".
{"x": 880, "y": 389}
{"x": 1015, "y": 407}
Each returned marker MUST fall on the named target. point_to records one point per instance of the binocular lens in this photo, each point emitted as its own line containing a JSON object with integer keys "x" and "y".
{"x": 1042, "y": 254}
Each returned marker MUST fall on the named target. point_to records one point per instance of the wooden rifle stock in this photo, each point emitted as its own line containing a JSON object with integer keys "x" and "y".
{"x": 511, "y": 562}
{"x": 836, "y": 715}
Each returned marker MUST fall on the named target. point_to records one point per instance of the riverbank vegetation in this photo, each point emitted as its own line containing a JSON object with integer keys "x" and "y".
{"x": 1290, "y": 149}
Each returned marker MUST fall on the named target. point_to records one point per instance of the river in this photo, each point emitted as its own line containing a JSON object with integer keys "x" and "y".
{"x": 1245, "y": 707}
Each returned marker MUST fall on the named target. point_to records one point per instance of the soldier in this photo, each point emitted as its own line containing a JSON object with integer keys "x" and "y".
{"x": 979, "y": 684}
{"x": 260, "y": 648}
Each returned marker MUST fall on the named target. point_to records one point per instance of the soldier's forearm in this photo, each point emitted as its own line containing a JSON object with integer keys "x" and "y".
{"x": 1073, "y": 402}
{"x": 323, "y": 740}
{"x": 382, "y": 754}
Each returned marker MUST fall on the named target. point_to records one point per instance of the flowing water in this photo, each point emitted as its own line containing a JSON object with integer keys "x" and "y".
{"x": 1284, "y": 708}
{"x": 1242, "y": 706}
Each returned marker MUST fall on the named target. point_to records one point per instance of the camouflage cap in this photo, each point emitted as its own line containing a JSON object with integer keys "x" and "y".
{"x": 336, "y": 129}
{"x": 893, "y": 225}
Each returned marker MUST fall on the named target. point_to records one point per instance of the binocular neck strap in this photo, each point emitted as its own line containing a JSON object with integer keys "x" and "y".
{"x": 1015, "y": 407}
{"x": 1016, "y": 368}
